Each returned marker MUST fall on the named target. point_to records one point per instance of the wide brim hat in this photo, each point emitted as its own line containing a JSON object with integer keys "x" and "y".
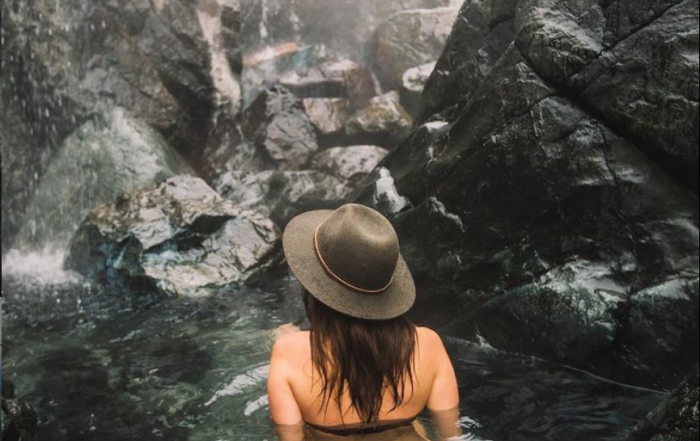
{"x": 349, "y": 260}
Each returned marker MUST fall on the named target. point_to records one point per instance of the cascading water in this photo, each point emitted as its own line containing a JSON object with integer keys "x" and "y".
{"x": 99, "y": 362}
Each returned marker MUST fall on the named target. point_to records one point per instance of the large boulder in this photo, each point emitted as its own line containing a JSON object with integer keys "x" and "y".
{"x": 283, "y": 195}
{"x": 384, "y": 122}
{"x": 280, "y": 129}
{"x": 109, "y": 155}
{"x": 676, "y": 419}
{"x": 409, "y": 39}
{"x": 178, "y": 238}
{"x": 351, "y": 164}
{"x": 328, "y": 115}
{"x": 542, "y": 220}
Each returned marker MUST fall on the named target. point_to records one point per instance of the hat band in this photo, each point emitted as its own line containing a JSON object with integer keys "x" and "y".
{"x": 340, "y": 279}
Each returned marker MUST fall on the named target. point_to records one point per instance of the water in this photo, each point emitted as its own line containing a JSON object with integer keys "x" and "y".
{"x": 114, "y": 366}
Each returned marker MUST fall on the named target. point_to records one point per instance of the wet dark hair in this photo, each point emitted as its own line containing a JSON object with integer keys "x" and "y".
{"x": 362, "y": 358}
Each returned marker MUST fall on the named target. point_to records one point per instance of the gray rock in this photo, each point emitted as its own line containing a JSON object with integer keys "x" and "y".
{"x": 413, "y": 84}
{"x": 384, "y": 122}
{"x": 676, "y": 419}
{"x": 110, "y": 155}
{"x": 283, "y": 195}
{"x": 280, "y": 129}
{"x": 545, "y": 227}
{"x": 231, "y": 34}
{"x": 328, "y": 115}
{"x": 339, "y": 79}
{"x": 351, "y": 164}
{"x": 178, "y": 238}
{"x": 409, "y": 39}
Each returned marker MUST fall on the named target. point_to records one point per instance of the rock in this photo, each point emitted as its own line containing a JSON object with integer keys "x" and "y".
{"x": 178, "y": 238}
{"x": 413, "y": 84}
{"x": 328, "y": 115}
{"x": 19, "y": 421}
{"x": 384, "y": 122}
{"x": 676, "y": 419}
{"x": 344, "y": 28}
{"x": 341, "y": 79}
{"x": 351, "y": 164}
{"x": 231, "y": 34}
{"x": 228, "y": 150}
{"x": 278, "y": 126}
{"x": 283, "y": 195}
{"x": 409, "y": 39}
{"x": 110, "y": 155}
{"x": 480, "y": 37}
{"x": 547, "y": 228}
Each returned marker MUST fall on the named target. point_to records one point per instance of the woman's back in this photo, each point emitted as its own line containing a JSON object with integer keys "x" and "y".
{"x": 432, "y": 384}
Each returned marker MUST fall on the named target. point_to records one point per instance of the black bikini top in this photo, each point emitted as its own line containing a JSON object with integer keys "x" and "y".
{"x": 363, "y": 429}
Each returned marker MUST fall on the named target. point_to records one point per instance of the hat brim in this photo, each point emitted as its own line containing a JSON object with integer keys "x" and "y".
{"x": 302, "y": 259}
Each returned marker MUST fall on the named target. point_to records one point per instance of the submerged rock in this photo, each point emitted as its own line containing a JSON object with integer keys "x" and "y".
{"x": 112, "y": 154}
{"x": 384, "y": 122}
{"x": 19, "y": 420}
{"x": 546, "y": 227}
{"x": 280, "y": 129}
{"x": 409, "y": 39}
{"x": 179, "y": 238}
{"x": 676, "y": 419}
{"x": 351, "y": 164}
{"x": 283, "y": 195}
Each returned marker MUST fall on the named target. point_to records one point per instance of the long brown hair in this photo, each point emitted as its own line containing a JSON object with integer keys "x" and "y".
{"x": 362, "y": 358}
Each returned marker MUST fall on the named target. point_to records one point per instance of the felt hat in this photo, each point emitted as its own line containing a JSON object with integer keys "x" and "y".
{"x": 350, "y": 260}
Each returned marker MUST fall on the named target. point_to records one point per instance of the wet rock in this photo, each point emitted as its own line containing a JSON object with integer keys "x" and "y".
{"x": 112, "y": 154}
{"x": 280, "y": 129}
{"x": 231, "y": 34}
{"x": 228, "y": 150}
{"x": 19, "y": 421}
{"x": 409, "y": 39}
{"x": 328, "y": 115}
{"x": 283, "y": 195}
{"x": 528, "y": 213}
{"x": 676, "y": 419}
{"x": 597, "y": 60}
{"x": 340, "y": 79}
{"x": 413, "y": 84}
{"x": 351, "y": 164}
{"x": 179, "y": 238}
{"x": 384, "y": 122}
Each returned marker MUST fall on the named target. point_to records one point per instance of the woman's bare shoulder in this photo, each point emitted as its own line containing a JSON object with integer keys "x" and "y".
{"x": 292, "y": 344}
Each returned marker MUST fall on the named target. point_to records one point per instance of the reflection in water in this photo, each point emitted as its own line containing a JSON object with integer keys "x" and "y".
{"x": 107, "y": 366}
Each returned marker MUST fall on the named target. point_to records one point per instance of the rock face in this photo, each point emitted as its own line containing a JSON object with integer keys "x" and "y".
{"x": 179, "y": 238}
{"x": 19, "y": 421}
{"x": 384, "y": 122}
{"x": 409, "y": 39}
{"x": 280, "y": 129}
{"x": 283, "y": 195}
{"x": 677, "y": 417}
{"x": 527, "y": 206}
{"x": 110, "y": 155}
{"x": 351, "y": 164}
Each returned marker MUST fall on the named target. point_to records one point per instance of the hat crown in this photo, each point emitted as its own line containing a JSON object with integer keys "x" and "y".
{"x": 359, "y": 246}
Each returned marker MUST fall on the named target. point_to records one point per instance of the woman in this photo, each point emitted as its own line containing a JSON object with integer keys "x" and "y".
{"x": 363, "y": 368}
